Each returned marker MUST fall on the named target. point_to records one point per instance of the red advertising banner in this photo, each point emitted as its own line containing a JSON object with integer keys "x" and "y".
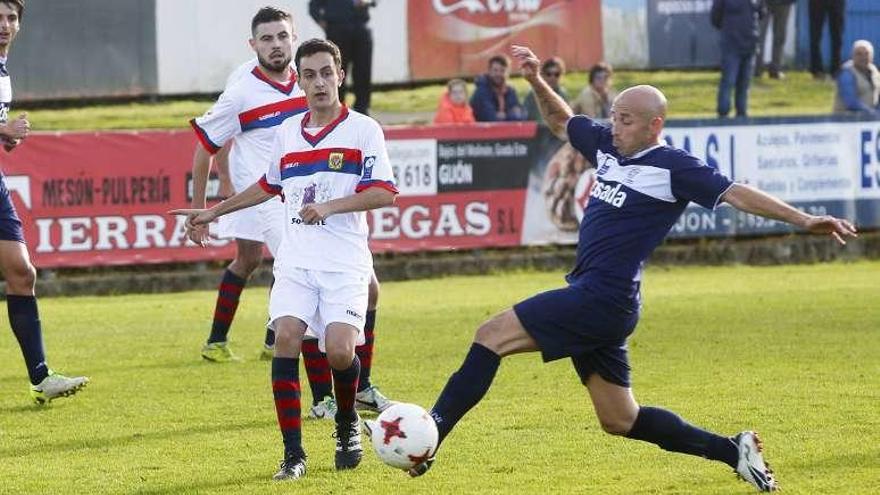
{"x": 457, "y": 37}
{"x": 93, "y": 199}
{"x": 89, "y": 199}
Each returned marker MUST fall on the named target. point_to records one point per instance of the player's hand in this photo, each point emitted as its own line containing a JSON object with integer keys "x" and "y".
{"x": 195, "y": 217}
{"x": 837, "y": 227}
{"x": 314, "y": 213}
{"x": 529, "y": 63}
{"x": 199, "y": 235}
{"x": 19, "y": 128}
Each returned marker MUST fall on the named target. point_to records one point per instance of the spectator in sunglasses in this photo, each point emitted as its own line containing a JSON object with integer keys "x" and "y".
{"x": 552, "y": 70}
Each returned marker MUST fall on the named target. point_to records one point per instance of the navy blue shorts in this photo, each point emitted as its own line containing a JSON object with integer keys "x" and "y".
{"x": 10, "y": 225}
{"x": 575, "y": 322}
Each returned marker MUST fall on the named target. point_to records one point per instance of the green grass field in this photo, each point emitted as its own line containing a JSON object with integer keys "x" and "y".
{"x": 793, "y": 352}
{"x": 691, "y": 95}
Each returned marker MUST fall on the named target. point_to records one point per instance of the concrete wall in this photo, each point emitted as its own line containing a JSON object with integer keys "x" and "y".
{"x": 199, "y": 42}
{"x": 84, "y": 48}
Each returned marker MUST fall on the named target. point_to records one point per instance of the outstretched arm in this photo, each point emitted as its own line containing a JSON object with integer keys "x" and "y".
{"x": 554, "y": 109}
{"x": 751, "y": 200}
{"x": 200, "y": 217}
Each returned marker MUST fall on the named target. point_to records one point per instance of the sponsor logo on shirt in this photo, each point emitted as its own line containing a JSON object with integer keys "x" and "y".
{"x": 368, "y": 167}
{"x": 609, "y": 194}
{"x": 353, "y": 313}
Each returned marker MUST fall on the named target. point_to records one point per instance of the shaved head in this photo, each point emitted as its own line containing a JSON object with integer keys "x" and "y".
{"x": 637, "y": 117}
{"x": 643, "y": 100}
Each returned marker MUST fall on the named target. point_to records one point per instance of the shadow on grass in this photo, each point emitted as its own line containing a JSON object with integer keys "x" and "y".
{"x": 206, "y": 486}
{"x": 23, "y": 450}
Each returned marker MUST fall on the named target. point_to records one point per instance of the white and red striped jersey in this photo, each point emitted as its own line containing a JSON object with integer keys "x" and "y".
{"x": 311, "y": 165}
{"x": 250, "y": 110}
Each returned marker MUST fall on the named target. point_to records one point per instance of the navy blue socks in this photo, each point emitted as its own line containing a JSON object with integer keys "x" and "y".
{"x": 25, "y": 322}
{"x": 668, "y": 431}
{"x": 465, "y": 388}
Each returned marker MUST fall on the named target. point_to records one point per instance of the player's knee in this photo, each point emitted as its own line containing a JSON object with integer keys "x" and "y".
{"x": 617, "y": 424}
{"x": 20, "y": 278}
{"x": 287, "y": 337}
{"x": 489, "y": 334}
{"x": 340, "y": 356}
{"x": 249, "y": 263}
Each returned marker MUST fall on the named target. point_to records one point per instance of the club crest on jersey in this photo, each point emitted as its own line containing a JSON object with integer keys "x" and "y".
{"x": 609, "y": 194}
{"x": 336, "y": 160}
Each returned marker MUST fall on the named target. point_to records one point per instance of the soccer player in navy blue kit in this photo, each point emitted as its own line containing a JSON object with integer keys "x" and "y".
{"x": 641, "y": 189}
{"x": 15, "y": 262}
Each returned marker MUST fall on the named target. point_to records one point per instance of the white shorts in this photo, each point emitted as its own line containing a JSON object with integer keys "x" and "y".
{"x": 320, "y": 298}
{"x": 261, "y": 223}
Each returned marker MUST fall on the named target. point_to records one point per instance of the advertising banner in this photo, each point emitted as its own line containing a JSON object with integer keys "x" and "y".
{"x": 457, "y": 37}
{"x": 91, "y": 199}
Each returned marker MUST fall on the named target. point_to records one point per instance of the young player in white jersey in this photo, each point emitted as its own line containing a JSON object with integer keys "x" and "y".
{"x": 330, "y": 165}
{"x": 368, "y": 397}
{"x": 15, "y": 262}
{"x": 249, "y": 110}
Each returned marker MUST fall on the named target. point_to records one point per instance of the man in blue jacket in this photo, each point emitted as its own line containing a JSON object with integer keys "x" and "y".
{"x": 494, "y": 100}
{"x": 738, "y": 21}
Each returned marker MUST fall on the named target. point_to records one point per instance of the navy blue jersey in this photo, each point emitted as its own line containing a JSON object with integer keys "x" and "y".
{"x": 632, "y": 206}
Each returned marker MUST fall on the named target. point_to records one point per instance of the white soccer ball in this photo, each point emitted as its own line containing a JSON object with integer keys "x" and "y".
{"x": 404, "y": 435}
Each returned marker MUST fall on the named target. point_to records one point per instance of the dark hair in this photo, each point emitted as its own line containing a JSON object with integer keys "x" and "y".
{"x": 17, "y": 5}
{"x": 266, "y": 14}
{"x": 551, "y": 63}
{"x": 502, "y": 60}
{"x": 600, "y": 67}
{"x": 317, "y": 45}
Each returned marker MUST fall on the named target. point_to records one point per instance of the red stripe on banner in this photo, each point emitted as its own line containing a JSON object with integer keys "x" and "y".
{"x": 285, "y": 385}
{"x": 485, "y": 131}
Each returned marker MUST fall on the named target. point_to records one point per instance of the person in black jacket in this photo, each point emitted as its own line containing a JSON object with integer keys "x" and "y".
{"x": 738, "y": 21}
{"x": 345, "y": 23}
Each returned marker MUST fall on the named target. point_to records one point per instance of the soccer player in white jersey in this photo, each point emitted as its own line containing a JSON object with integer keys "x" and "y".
{"x": 642, "y": 187}
{"x": 368, "y": 397}
{"x": 15, "y": 263}
{"x": 330, "y": 165}
{"x": 250, "y": 110}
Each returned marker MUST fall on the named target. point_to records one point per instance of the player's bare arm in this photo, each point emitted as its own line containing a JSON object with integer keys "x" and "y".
{"x": 201, "y": 217}
{"x": 368, "y": 199}
{"x": 751, "y": 200}
{"x": 554, "y": 109}
{"x": 201, "y": 168}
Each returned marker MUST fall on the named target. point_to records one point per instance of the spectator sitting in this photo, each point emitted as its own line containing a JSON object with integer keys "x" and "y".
{"x": 552, "y": 71}
{"x": 494, "y": 100}
{"x": 454, "y": 108}
{"x": 858, "y": 83}
{"x": 595, "y": 99}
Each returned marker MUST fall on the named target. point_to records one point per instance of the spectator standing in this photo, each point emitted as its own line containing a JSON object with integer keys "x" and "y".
{"x": 453, "y": 107}
{"x": 594, "y": 101}
{"x": 738, "y": 21}
{"x": 779, "y": 10}
{"x": 493, "y": 99}
{"x": 345, "y": 24}
{"x": 858, "y": 83}
{"x": 552, "y": 69}
{"x": 818, "y": 11}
